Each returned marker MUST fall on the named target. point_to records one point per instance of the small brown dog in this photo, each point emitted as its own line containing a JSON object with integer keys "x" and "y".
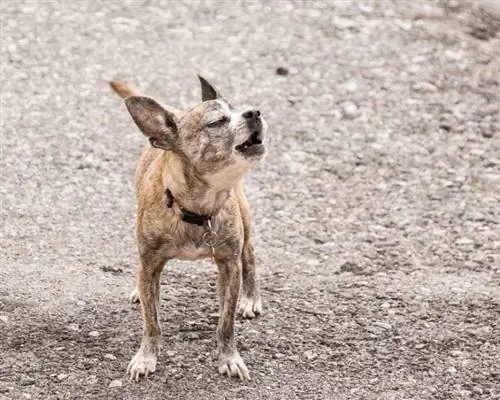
{"x": 191, "y": 205}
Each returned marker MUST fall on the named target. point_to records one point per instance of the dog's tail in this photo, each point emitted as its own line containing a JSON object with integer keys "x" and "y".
{"x": 122, "y": 89}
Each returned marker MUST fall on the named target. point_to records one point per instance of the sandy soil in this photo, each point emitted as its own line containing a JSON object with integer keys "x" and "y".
{"x": 376, "y": 213}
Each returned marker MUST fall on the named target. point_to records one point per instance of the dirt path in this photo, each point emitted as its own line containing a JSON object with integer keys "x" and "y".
{"x": 377, "y": 212}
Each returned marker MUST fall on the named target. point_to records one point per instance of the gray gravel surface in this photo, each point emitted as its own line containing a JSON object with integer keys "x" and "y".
{"x": 376, "y": 212}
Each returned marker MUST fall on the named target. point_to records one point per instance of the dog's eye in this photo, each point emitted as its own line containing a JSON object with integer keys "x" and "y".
{"x": 218, "y": 122}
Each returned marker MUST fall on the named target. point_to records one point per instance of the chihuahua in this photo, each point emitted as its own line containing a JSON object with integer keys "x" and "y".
{"x": 191, "y": 205}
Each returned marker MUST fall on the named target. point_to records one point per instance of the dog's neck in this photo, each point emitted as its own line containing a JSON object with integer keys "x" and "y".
{"x": 194, "y": 192}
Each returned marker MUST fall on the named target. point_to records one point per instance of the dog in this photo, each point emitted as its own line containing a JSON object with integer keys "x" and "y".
{"x": 191, "y": 205}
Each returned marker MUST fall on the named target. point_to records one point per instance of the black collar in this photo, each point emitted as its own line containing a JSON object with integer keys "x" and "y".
{"x": 186, "y": 216}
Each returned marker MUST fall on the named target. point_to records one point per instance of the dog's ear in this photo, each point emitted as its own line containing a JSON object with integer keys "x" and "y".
{"x": 208, "y": 91}
{"x": 157, "y": 124}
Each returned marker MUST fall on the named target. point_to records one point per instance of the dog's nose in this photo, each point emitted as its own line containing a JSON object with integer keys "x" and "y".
{"x": 251, "y": 114}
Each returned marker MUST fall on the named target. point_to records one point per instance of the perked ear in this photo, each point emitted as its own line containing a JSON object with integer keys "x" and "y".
{"x": 208, "y": 91}
{"x": 156, "y": 123}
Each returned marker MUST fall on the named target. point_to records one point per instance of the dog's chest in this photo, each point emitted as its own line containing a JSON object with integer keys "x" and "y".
{"x": 191, "y": 252}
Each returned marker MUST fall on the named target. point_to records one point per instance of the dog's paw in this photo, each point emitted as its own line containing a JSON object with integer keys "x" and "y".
{"x": 232, "y": 365}
{"x": 134, "y": 296}
{"x": 250, "y": 307}
{"x": 143, "y": 363}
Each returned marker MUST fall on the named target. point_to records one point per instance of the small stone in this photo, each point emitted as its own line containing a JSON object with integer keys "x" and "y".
{"x": 424, "y": 87}
{"x": 80, "y": 303}
{"x": 171, "y": 353}
{"x": 477, "y": 389}
{"x": 278, "y": 356}
{"x": 385, "y": 304}
{"x": 454, "y": 55}
{"x": 62, "y": 377}
{"x": 4, "y": 318}
{"x": 282, "y": 71}
{"x": 94, "y": 333}
{"x": 488, "y": 134}
{"x": 382, "y": 325}
{"x": 351, "y": 85}
{"x": 419, "y": 346}
{"x": 116, "y": 383}
{"x": 310, "y": 355}
{"x": 350, "y": 109}
{"x": 464, "y": 241}
{"x": 27, "y": 381}
{"x": 74, "y": 327}
{"x": 350, "y": 266}
{"x": 109, "y": 356}
{"x": 27, "y": 395}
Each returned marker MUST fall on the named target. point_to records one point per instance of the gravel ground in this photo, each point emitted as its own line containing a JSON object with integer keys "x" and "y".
{"x": 376, "y": 212}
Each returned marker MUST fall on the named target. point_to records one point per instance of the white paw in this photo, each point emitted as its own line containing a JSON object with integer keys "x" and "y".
{"x": 250, "y": 307}
{"x": 233, "y": 366}
{"x": 134, "y": 296}
{"x": 143, "y": 363}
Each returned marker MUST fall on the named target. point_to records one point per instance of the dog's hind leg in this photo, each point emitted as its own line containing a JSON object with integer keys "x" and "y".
{"x": 152, "y": 262}
{"x": 134, "y": 295}
{"x": 250, "y": 302}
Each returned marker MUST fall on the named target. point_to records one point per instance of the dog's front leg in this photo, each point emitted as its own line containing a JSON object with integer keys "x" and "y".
{"x": 230, "y": 362}
{"x": 148, "y": 285}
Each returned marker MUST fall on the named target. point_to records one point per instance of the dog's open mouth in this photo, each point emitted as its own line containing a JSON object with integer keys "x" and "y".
{"x": 252, "y": 146}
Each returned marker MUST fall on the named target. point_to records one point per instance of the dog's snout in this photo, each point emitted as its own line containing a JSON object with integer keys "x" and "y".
{"x": 251, "y": 114}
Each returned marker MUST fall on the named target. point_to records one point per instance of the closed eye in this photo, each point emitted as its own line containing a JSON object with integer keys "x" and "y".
{"x": 218, "y": 122}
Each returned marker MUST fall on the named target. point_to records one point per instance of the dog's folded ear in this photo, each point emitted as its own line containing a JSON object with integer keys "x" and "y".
{"x": 208, "y": 91}
{"x": 156, "y": 123}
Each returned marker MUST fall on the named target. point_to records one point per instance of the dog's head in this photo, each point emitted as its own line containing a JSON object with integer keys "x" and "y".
{"x": 212, "y": 136}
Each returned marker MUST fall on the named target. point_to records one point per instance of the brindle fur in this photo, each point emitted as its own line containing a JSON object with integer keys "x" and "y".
{"x": 202, "y": 169}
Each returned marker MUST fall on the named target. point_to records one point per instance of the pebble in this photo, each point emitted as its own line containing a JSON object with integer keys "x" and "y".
{"x": 350, "y": 109}
{"x": 4, "y": 318}
{"x": 424, "y": 87}
{"x": 488, "y": 134}
{"x": 310, "y": 355}
{"x": 454, "y": 55}
{"x": 171, "y": 353}
{"x": 94, "y": 333}
{"x": 27, "y": 381}
{"x": 74, "y": 327}
{"x": 282, "y": 71}
{"x": 62, "y": 377}
{"x": 351, "y": 85}
{"x": 464, "y": 241}
{"x": 116, "y": 383}
{"x": 382, "y": 325}
{"x": 278, "y": 356}
{"x": 109, "y": 356}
